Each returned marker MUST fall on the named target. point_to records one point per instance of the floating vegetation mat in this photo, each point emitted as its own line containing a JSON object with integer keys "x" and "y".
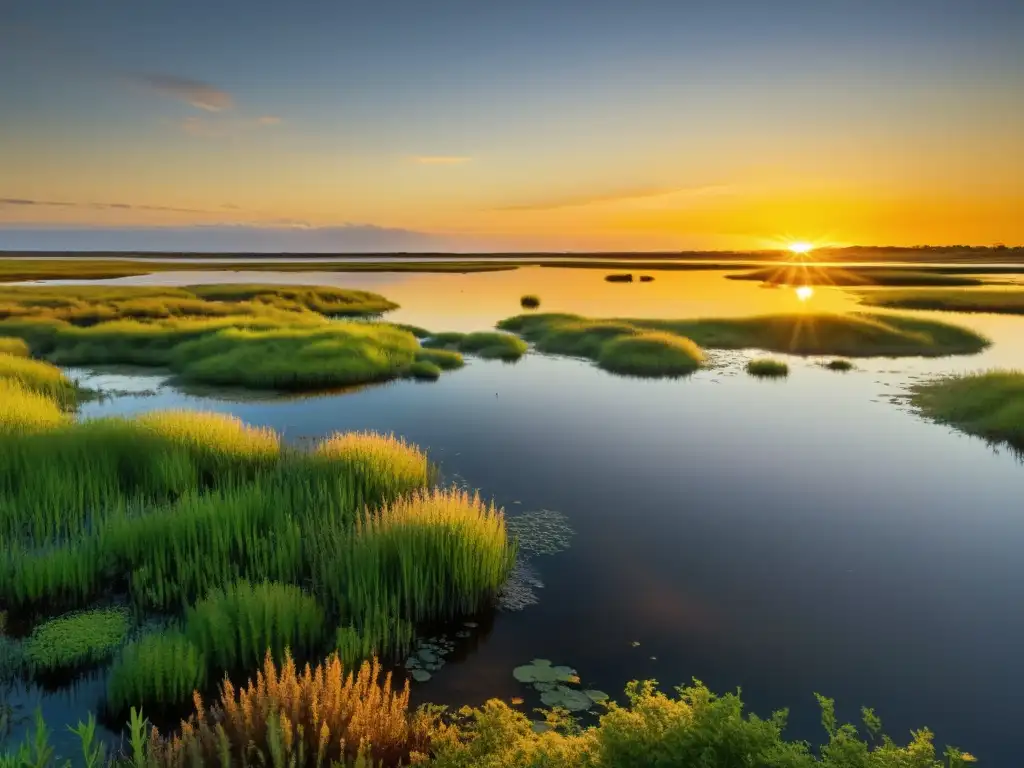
{"x": 540, "y": 532}
{"x": 430, "y": 654}
{"x": 554, "y": 683}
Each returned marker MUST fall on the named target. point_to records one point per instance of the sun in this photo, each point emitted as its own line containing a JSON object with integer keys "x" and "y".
{"x": 801, "y": 247}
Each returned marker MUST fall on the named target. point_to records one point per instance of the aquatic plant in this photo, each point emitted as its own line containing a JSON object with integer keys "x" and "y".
{"x": 529, "y": 301}
{"x": 321, "y": 716}
{"x": 652, "y": 354}
{"x": 378, "y": 635}
{"x": 767, "y": 368}
{"x": 234, "y": 627}
{"x": 839, "y": 364}
{"x": 13, "y": 347}
{"x": 852, "y": 335}
{"x": 540, "y": 532}
{"x": 989, "y": 405}
{"x": 157, "y": 670}
{"x": 76, "y": 639}
{"x": 1008, "y": 301}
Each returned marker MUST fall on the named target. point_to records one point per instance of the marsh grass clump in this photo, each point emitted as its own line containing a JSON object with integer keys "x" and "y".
{"x": 1008, "y": 301}
{"x": 445, "y": 359}
{"x": 234, "y": 627}
{"x": 158, "y": 670}
{"x": 825, "y": 275}
{"x": 40, "y": 377}
{"x": 24, "y": 412}
{"x": 619, "y": 278}
{"x": 767, "y": 368}
{"x": 377, "y": 636}
{"x": 77, "y": 639}
{"x": 650, "y": 354}
{"x": 13, "y": 347}
{"x": 329, "y": 715}
{"x": 989, "y": 405}
{"x": 851, "y": 335}
{"x": 839, "y": 364}
{"x": 424, "y": 371}
{"x": 486, "y": 344}
{"x": 529, "y": 301}
{"x": 386, "y": 466}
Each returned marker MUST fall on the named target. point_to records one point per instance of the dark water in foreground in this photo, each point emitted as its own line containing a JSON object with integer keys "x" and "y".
{"x": 786, "y": 537}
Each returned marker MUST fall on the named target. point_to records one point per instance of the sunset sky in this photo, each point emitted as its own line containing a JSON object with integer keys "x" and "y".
{"x": 527, "y": 125}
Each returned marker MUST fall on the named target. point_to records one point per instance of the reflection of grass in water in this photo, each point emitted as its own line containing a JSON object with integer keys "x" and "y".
{"x": 1008, "y": 302}
{"x": 988, "y": 405}
{"x": 854, "y": 335}
{"x": 767, "y": 368}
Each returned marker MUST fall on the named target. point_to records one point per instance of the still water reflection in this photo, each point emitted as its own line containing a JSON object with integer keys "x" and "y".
{"x": 786, "y": 537}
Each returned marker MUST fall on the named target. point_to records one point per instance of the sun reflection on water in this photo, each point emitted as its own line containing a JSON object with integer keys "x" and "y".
{"x": 804, "y": 292}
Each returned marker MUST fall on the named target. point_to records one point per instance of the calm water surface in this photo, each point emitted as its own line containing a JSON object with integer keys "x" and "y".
{"x": 786, "y": 537}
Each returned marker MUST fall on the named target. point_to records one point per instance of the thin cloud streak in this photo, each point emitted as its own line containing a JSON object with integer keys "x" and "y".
{"x": 441, "y": 160}
{"x": 193, "y": 92}
{"x": 94, "y": 206}
{"x": 620, "y": 196}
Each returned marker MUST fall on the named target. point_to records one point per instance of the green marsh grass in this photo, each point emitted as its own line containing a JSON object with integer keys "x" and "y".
{"x": 851, "y": 335}
{"x": 14, "y": 347}
{"x": 650, "y": 354}
{"x": 37, "y": 376}
{"x": 23, "y": 412}
{"x": 529, "y": 301}
{"x": 157, "y": 670}
{"x": 1006, "y": 302}
{"x": 235, "y": 627}
{"x": 387, "y": 466}
{"x": 839, "y": 364}
{"x": 445, "y": 359}
{"x": 77, "y": 639}
{"x": 767, "y": 368}
{"x": 989, "y": 405}
{"x": 486, "y": 344}
{"x": 424, "y": 371}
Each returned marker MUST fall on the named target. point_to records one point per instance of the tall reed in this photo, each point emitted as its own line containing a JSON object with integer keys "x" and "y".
{"x": 236, "y": 626}
{"x": 157, "y": 670}
{"x": 24, "y": 412}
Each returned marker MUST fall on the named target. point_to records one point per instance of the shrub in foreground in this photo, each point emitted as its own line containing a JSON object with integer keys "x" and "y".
{"x": 767, "y": 368}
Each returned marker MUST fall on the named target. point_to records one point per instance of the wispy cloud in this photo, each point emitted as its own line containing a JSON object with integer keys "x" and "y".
{"x": 94, "y": 206}
{"x": 440, "y": 159}
{"x": 217, "y": 126}
{"x": 617, "y": 196}
{"x": 194, "y": 92}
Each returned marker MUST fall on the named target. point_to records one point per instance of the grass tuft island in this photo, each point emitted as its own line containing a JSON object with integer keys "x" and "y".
{"x": 988, "y": 405}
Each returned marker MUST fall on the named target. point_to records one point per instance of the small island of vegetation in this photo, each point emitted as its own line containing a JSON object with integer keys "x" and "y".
{"x": 767, "y": 368}
{"x": 1005, "y": 302}
{"x": 989, "y": 405}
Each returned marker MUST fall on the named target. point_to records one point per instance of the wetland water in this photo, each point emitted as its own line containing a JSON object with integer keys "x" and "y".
{"x": 788, "y": 537}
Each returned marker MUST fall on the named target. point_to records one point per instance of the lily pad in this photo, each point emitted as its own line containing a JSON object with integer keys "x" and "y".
{"x": 541, "y": 687}
{"x": 412, "y": 662}
{"x": 427, "y": 657}
{"x": 567, "y": 698}
{"x": 596, "y": 696}
{"x": 420, "y": 675}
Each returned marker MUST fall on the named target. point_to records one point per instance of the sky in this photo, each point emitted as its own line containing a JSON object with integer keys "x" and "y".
{"x": 556, "y": 125}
